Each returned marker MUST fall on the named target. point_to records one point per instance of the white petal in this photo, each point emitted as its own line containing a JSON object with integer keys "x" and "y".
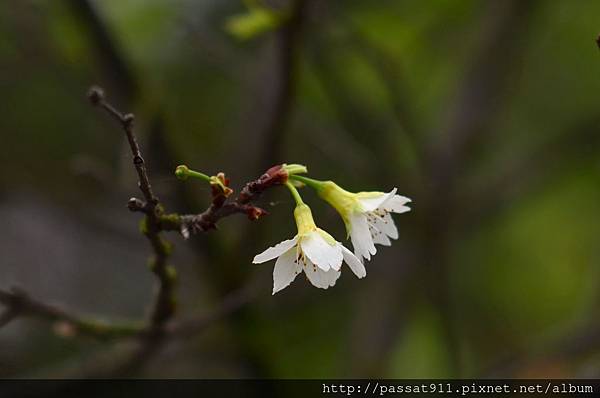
{"x": 338, "y": 266}
{"x": 380, "y": 238}
{"x": 354, "y": 263}
{"x": 396, "y": 204}
{"x": 359, "y": 250}
{"x": 361, "y": 236}
{"x": 275, "y": 251}
{"x": 370, "y": 204}
{"x": 317, "y": 276}
{"x": 285, "y": 271}
{"x": 331, "y": 276}
{"x": 359, "y": 256}
{"x": 320, "y": 252}
{"x": 386, "y": 225}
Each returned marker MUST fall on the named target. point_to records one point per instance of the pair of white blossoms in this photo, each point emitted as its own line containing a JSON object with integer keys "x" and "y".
{"x": 368, "y": 222}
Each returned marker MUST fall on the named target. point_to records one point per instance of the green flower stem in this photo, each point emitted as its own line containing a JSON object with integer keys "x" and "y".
{"x": 315, "y": 184}
{"x": 199, "y": 175}
{"x": 183, "y": 172}
{"x": 295, "y": 193}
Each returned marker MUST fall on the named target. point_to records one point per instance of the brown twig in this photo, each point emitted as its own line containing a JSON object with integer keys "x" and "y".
{"x": 19, "y": 304}
{"x": 164, "y": 305}
{"x": 157, "y": 220}
{"x": 152, "y": 335}
{"x": 220, "y": 208}
{"x": 133, "y": 361}
{"x": 109, "y": 52}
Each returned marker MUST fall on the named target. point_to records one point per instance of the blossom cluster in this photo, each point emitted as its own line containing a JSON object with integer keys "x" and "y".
{"x": 368, "y": 221}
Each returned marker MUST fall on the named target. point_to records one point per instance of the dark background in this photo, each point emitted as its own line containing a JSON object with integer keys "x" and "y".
{"x": 485, "y": 113}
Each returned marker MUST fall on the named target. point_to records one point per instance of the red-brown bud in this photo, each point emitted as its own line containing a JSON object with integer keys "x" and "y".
{"x": 254, "y": 213}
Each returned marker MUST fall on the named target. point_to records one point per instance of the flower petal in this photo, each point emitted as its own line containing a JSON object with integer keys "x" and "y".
{"x": 396, "y": 204}
{"x": 285, "y": 270}
{"x": 338, "y": 266}
{"x": 354, "y": 263}
{"x": 317, "y": 276}
{"x": 370, "y": 204}
{"x": 386, "y": 225}
{"x": 380, "y": 238}
{"x": 320, "y": 252}
{"x": 361, "y": 236}
{"x": 359, "y": 256}
{"x": 275, "y": 251}
{"x": 331, "y": 276}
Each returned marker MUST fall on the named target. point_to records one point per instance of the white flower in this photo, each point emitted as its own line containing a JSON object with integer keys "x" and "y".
{"x": 313, "y": 251}
{"x": 366, "y": 215}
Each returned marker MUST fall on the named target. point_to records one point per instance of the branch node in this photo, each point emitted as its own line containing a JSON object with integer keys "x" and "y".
{"x": 128, "y": 120}
{"x": 138, "y": 160}
{"x": 135, "y": 204}
{"x": 95, "y": 95}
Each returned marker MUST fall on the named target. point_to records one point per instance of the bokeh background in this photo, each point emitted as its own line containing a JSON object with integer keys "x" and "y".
{"x": 485, "y": 113}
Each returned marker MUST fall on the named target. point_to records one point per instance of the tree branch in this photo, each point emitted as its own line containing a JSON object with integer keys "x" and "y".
{"x": 288, "y": 42}
{"x": 153, "y": 334}
{"x": 110, "y": 53}
{"x": 230, "y": 304}
{"x": 573, "y": 146}
{"x": 19, "y": 304}
{"x": 164, "y": 305}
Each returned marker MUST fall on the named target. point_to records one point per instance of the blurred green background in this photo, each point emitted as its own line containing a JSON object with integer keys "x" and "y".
{"x": 485, "y": 113}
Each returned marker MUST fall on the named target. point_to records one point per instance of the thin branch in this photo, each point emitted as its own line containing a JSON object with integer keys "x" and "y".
{"x": 485, "y": 86}
{"x": 479, "y": 99}
{"x": 134, "y": 359}
{"x": 19, "y": 304}
{"x": 96, "y": 96}
{"x": 164, "y": 305}
{"x": 230, "y": 304}
{"x": 370, "y": 130}
{"x": 110, "y": 53}
{"x": 220, "y": 208}
{"x": 288, "y": 42}
{"x": 389, "y": 70}
{"x": 574, "y": 145}
{"x": 182, "y": 330}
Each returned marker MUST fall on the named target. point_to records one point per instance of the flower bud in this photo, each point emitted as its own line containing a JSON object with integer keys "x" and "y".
{"x": 294, "y": 168}
{"x": 182, "y": 172}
